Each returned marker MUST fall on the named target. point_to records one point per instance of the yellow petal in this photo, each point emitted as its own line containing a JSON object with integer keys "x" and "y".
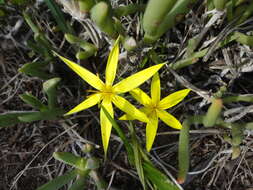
{"x": 151, "y": 130}
{"x": 173, "y": 99}
{"x": 126, "y": 117}
{"x": 106, "y": 125}
{"x": 169, "y": 119}
{"x": 155, "y": 89}
{"x": 86, "y": 75}
{"x": 129, "y": 117}
{"x": 140, "y": 96}
{"x": 128, "y": 108}
{"x": 112, "y": 63}
{"x": 89, "y": 102}
{"x": 137, "y": 79}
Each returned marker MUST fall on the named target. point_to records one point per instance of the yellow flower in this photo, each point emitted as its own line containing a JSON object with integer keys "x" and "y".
{"x": 109, "y": 93}
{"x": 155, "y": 108}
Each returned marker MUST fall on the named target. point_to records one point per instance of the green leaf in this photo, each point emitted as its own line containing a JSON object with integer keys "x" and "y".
{"x": 71, "y": 159}
{"x": 81, "y": 55}
{"x": 220, "y": 4}
{"x": 138, "y": 160}
{"x": 161, "y": 181}
{"x": 209, "y": 5}
{"x": 129, "y": 9}
{"x": 79, "y": 183}
{"x": 101, "y": 15}
{"x": 10, "y": 119}
{"x": 238, "y": 98}
{"x": 42, "y": 40}
{"x": 183, "y": 152}
{"x": 249, "y": 126}
{"x": 86, "y": 5}
{"x": 57, "y": 14}
{"x": 39, "y": 36}
{"x": 237, "y": 134}
{"x": 29, "y": 21}
{"x": 49, "y": 88}
{"x": 246, "y": 13}
{"x": 59, "y": 181}
{"x": 33, "y": 101}
{"x": 213, "y": 112}
{"x": 244, "y": 39}
{"x": 43, "y": 115}
{"x": 36, "y": 69}
{"x": 192, "y": 45}
{"x": 89, "y": 48}
{"x": 40, "y": 49}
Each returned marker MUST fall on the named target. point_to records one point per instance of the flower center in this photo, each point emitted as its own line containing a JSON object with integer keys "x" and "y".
{"x": 107, "y": 91}
{"x": 153, "y": 106}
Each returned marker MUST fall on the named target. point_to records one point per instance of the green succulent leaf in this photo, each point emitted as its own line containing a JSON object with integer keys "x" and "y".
{"x": 213, "y": 112}
{"x": 183, "y": 152}
{"x": 49, "y": 87}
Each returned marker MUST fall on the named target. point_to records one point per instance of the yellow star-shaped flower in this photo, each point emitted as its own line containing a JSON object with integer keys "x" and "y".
{"x": 155, "y": 108}
{"x": 109, "y": 93}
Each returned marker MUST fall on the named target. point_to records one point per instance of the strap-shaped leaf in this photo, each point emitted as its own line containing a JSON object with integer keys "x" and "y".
{"x": 213, "y": 112}
{"x": 71, "y": 159}
{"x": 138, "y": 159}
{"x": 237, "y": 134}
{"x": 12, "y": 118}
{"x": 161, "y": 181}
{"x": 33, "y": 101}
{"x": 183, "y": 152}
{"x": 43, "y": 115}
{"x": 58, "y": 15}
{"x": 79, "y": 184}
{"x": 40, "y": 49}
{"x": 59, "y": 181}
{"x": 36, "y": 69}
